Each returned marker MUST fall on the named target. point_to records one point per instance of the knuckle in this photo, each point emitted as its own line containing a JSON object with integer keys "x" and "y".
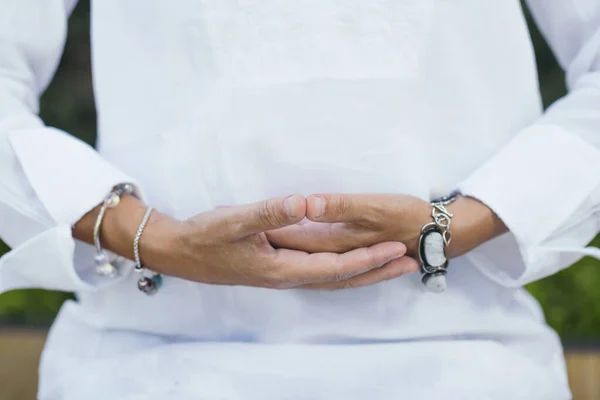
{"x": 342, "y": 271}
{"x": 341, "y": 275}
{"x": 268, "y": 214}
{"x": 342, "y": 206}
{"x": 344, "y": 285}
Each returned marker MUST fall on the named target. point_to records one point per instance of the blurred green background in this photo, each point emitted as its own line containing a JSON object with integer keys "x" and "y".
{"x": 571, "y": 298}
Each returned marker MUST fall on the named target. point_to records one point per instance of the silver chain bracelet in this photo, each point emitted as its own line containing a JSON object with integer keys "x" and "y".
{"x": 105, "y": 266}
{"x": 147, "y": 284}
{"x": 435, "y": 237}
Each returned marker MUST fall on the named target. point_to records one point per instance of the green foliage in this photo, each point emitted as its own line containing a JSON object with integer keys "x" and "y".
{"x": 571, "y": 298}
{"x": 68, "y": 103}
{"x": 32, "y": 307}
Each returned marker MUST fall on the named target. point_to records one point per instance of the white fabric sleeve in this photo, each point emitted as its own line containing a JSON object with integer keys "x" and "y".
{"x": 545, "y": 184}
{"x": 48, "y": 179}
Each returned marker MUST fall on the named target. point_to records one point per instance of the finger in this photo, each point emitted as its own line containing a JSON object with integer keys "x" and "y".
{"x": 315, "y": 237}
{"x": 391, "y": 270}
{"x": 298, "y": 268}
{"x": 337, "y": 207}
{"x": 266, "y": 215}
{"x": 287, "y": 237}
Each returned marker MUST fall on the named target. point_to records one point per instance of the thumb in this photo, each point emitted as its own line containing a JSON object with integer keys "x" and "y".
{"x": 269, "y": 214}
{"x": 338, "y": 207}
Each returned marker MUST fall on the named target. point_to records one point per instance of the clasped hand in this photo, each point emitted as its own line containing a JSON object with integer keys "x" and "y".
{"x": 324, "y": 242}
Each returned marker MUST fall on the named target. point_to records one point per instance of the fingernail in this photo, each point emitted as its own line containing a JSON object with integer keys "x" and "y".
{"x": 291, "y": 206}
{"x": 318, "y": 207}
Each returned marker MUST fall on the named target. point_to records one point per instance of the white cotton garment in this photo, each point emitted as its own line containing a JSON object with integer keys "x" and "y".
{"x": 204, "y": 103}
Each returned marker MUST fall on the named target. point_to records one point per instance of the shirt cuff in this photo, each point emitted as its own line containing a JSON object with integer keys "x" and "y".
{"x": 534, "y": 185}
{"x": 53, "y": 260}
{"x": 68, "y": 176}
{"x": 69, "y": 179}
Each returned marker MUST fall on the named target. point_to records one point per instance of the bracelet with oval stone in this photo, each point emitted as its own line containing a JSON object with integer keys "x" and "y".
{"x": 435, "y": 237}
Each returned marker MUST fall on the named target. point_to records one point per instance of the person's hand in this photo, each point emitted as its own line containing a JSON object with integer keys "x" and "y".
{"x": 228, "y": 246}
{"x": 341, "y": 222}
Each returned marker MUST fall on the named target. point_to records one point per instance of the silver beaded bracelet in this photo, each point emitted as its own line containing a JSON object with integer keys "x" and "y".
{"x": 435, "y": 237}
{"x": 147, "y": 284}
{"x": 105, "y": 266}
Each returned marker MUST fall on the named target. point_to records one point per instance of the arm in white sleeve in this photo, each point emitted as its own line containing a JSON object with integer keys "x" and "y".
{"x": 545, "y": 184}
{"x": 48, "y": 179}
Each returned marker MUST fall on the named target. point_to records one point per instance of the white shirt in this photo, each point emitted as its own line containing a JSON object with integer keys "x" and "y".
{"x": 204, "y": 103}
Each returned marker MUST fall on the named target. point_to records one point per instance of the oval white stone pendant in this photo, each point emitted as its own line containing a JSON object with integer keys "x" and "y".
{"x": 433, "y": 249}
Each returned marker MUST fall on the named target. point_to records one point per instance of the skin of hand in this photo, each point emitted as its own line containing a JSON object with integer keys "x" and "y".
{"x": 340, "y": 222}
{"x": 229, "y": 246}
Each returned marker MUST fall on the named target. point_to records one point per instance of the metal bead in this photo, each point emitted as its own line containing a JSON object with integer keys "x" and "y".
{"x": 104, "y": 267}
{"x": 147, "y": 285}
{"x": 100, "y": 258}
{"x": 113, "y": 200}
{"x": 158, "y": 280}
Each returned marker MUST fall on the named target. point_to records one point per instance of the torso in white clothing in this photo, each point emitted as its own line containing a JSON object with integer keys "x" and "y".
{"x": 220, "y": 102}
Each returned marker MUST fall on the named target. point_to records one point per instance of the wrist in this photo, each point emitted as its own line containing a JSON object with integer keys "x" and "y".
{"x": 473, "y": 224}
{"x": 120, "y": 224}
{"x": 160, "y": 243}
{"x": 157, "y": 243}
